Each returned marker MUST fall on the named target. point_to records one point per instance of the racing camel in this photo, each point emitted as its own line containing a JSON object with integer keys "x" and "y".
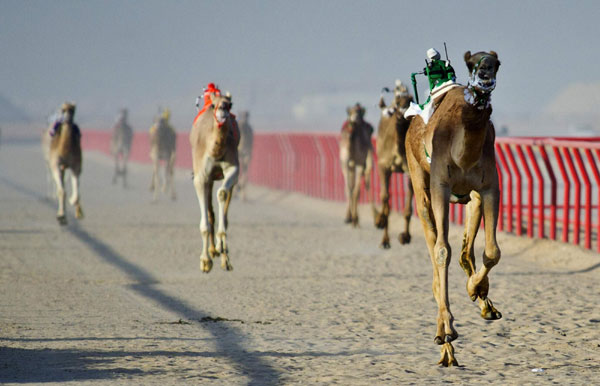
{"x": 214, "y": 139}
{"x": 244, "y": 152}
{"x": 391, "y": 158}
{"x": 61, "y": 144}
{"x": 356, "y": 158}
{"x": 459, "y": 142}
{"x": 163, "y": 140}
{"x": 120, "y": 146}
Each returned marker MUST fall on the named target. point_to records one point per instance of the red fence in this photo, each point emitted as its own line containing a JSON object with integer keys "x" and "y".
{"x": 549, "y": 186}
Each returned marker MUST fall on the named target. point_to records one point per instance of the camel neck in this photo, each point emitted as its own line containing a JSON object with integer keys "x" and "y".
{"x": 469, "y": 139}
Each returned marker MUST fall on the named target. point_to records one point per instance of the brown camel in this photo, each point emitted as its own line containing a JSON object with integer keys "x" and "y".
{"x": 163, "y": 140}
{"x": 356, "y": 158}
{"x": 120, "y": 146}
{"x": 244, "y": 152}
{"x": 214, "y": 138}
{"x": 459, "y": 142}
{"x": 391, "y": 158}
{"x": 61, "y": 144}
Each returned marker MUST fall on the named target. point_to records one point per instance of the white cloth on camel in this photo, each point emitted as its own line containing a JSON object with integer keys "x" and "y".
{"x": 427, "y": 111}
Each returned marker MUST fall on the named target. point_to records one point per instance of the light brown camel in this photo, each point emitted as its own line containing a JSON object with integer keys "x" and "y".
{"x": 391, "y": 158}
{"x": 120, "y": 146}
{"x": 61, "y": 145}
{"x": 459, "y": 141}
{"x": 214, "y": 139}
{"x": 163, "y": 139}
{"x": 356, "y": 158}
{"x": 244, "y": 151}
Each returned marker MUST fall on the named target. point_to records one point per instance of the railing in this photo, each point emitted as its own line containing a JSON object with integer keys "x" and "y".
{"x": 549, "y": 186}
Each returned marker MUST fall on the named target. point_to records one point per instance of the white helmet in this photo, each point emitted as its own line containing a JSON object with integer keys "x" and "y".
{"x": 432, "y": 54}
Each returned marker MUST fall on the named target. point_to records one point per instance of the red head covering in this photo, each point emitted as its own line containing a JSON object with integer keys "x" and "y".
{"x": 210, "y": 89}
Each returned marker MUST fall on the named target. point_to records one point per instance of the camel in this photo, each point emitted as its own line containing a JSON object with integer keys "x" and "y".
{"x": 244, "y": 152}
{"x": 120, "y": 145}
{"x": 61, "y": 144}
{"x": 214, "y": 139}
{"x": 356, "y": 158}
{"x": 452, "y": 159}
{"x": 391, "y": 158}
{"x": 163, "y": 140}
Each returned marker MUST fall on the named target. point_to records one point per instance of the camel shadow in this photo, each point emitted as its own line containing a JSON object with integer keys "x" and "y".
{"x": 229, "y": 340}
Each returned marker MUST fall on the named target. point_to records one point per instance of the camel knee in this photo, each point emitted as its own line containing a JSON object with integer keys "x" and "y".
{"x": 222, "y": 195}
{"x": 491, "y": 257}
{"x": 442, "y": 254}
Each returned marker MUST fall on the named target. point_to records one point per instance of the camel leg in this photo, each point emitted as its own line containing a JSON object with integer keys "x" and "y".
{"x": 230, "y": 176}
{"x": 114, "y": 180}
{"x": 124, "y": 168}
{"x": 203, "y": 194}
{"x": 404, "y": 237}
{"x": 356, "y": 194}
{"x": 478, "y": 283}
{"x": 75, "y": 195}
{"x": 155, "y": 179}
{"x": 348, "y": 181}
{"x": 212, "y": 251}
{"x": 170, "y": 172}
{"x": 50, "y": 184}
{"x": 381, "y": 219}
{"x": 472, "y": 221}
{"x": 426, "y": 216}
{"x": 440, "y": 199}
{"x": 59, "y": 177}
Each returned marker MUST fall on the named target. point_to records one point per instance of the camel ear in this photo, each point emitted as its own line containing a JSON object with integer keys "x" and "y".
{"x": 494, "y": 54}
{"x": 381, "y": 103}
{"x": 363, "y": 110}
{"x": 468, "y": 60}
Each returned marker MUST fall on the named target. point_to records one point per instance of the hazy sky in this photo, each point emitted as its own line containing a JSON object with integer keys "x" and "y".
{"x": 294, "y": 64}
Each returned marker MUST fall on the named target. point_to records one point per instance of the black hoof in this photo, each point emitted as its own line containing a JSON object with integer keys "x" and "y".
{"x": 404, "y": 238}
{"x": 62, "y": 220}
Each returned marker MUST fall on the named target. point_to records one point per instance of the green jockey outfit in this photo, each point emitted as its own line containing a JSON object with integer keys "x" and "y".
{"x": 437, "y": 71}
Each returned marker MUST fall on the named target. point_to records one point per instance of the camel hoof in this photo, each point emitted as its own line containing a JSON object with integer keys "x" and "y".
{"x": 489, "y": 312}
{"x": 404, "y": 238}
{"x": 225, "y": 264}
{"x": 385, "y": 245}
{"x": 206, "y": 265}
{"x": 355, "y": 222}
{"x": 78, "y": 213}
{"x": 381, "y": 222}
{"x": 447, "y": 358}
{"x": 348, "y": 220}
{"x": 62, "y": 220}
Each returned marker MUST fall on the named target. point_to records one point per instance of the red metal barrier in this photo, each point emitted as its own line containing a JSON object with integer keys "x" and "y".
{"x": 309, "y": 163}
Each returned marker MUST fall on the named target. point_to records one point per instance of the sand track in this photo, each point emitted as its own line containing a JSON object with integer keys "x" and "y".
{"x": 119, "y": 296}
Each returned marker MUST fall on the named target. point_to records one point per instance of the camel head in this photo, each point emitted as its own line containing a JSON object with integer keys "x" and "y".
{"x": 356, "y": 113}
{"x": 402, "y": 97}
{"x": 67, "y": 111}
{"x": 221, "y": 106}
{"x": 483, "y": 67}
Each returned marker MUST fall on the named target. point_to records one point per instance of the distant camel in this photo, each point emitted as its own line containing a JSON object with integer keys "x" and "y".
{"x": 391, "y": 158}
{"x": 163, "y": 139}
{"x": 452, "y": 159}
{"x": 61, "y": 145}
{"x": 214, "y": 139}
{"x": 356, "y": 158}
{"x": 244, "y": 151}
{"x": 120, "y": 146}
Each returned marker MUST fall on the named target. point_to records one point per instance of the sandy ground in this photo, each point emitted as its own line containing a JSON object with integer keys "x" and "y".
{"x": 119, "y": 298}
